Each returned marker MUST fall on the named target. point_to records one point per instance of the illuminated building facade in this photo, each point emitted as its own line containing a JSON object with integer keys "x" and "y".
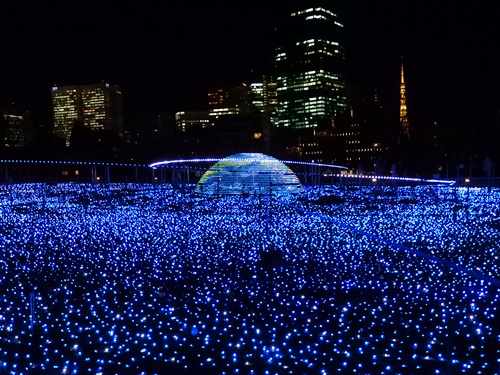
{"x": 358, "y": 138}
{"x": 228, "y": 101}
{"x": 365, "y": 130}
{"x": 97, "y": 107}
{"x": 191, "y": 120}
{"x": 256, "y": 91}
{"x": 270, "y": 98}
{"x": 13, "y": 127}
{"x": 309, "y": 67}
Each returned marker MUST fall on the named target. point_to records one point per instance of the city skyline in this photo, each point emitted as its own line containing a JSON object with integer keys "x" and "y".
{"x": 167, "y": 57}
{"x": 170, "y": 204}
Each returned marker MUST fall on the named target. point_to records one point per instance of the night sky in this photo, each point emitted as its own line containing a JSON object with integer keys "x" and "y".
{"x": 166, "y": 55}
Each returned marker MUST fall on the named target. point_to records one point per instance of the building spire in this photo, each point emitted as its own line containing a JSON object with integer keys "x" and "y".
{"x": 403, "y": 115}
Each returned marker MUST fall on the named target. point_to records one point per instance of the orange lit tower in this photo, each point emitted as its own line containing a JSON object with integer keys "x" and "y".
{"x": 403, "y": 115}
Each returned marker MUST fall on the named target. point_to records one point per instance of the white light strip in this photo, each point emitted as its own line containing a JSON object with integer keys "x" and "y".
{"x": 167, "y": 162}
{"x": 391, "y": 178}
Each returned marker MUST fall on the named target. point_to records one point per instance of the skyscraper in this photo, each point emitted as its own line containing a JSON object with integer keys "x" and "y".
{"x": 228, "y": 101}
{"x": 270, "y": 98}
{"x": 13, "y": 127}
{"x": 309, "y": 66}
{"x": 186, "y": 121}
{"x": 98, "y": 107}
{"x": 256, "y": 92}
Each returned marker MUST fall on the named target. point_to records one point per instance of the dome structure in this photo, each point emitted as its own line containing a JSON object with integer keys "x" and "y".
{"x": 249, "y": 173}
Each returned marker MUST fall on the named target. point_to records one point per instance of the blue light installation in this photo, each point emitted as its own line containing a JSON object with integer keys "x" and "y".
{"x": 120, "y": 283}
{"x": 249, "y": 173}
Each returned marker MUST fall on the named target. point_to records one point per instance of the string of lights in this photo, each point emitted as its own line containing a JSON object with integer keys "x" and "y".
{"x": 137, "y": 278}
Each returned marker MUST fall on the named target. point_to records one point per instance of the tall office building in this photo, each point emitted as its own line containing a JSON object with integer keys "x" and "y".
{"x": 13, "y": 127}
{"x": 309, "y": 66}
{"x": 270, "y": 97}
{"x": 187, "y": 121}
{"x": 256, "y": 92}
{"x": 229, "y": 101}
{"x": 98, "y": 107}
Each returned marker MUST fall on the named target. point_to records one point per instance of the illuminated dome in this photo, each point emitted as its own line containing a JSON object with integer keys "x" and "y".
{"x": 249, "y": 173}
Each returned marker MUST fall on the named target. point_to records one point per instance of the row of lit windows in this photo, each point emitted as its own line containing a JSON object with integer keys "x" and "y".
{"x": 309, "y": 10}
{"x": 64, "y": 108}
{"x": 64, "y": 99}
{"x": 94, "y": 102}
{"x": 314, "y": 102}
{"x": 313, "y": 106}
{"x": 312, "y": 42}
{"x": 94, "y": 117}
{"x": 311, "y": 102}
{"x": 187, "y": 122}
{"x": 304, "y": 124}
{"x": 96, "y": 109}
{"x": 313, "y": 111}
{"x": 362, "y": 150}
{"x": 281, "y": 56}
{"x": 316, "y": 17}
{"x": 223, "y": 111}
{"x": 92, "y": 93}
{"x": 312, "y": 74}
{"x": 256, "y": 89}
{"x": 310, "y": 84}
{"x": 328, "y": 53}
{"x": 347, "y": 134}
{"x": 305, "y": 87}
{"x": 300, "y": 88}
{"x": 65, "y": 94}
{"x": 308, "y": 144}
{"x": 305, "y": 104}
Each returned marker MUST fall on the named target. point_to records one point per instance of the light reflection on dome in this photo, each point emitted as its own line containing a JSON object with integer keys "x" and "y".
{"x": 249, "y": 173}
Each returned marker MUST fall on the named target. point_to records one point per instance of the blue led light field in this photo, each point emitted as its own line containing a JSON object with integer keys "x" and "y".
{"x": 145, "y": 279}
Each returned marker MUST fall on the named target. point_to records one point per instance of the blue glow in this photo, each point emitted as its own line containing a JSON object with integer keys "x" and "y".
{"x": 143, "y": 278}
